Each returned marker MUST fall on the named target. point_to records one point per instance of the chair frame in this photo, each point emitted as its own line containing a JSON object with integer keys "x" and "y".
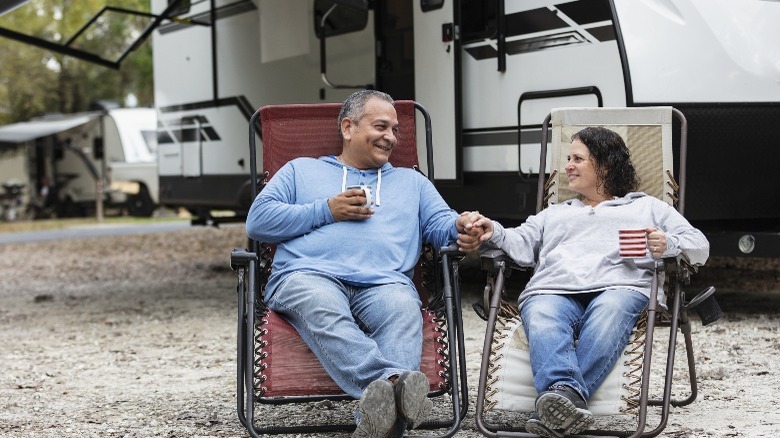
{"x": 250, "y": 267}
{"x": 499, "y": 267}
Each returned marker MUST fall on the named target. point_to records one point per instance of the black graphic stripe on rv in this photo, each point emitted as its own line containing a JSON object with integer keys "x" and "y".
{"x": 583, "y": 13}
{"x": 239, "y": 101}
{"x": 197, "y": 127}
{"x": 500, "y": 136}
{"x": 204, "y": 18}
{"x": 187, "y": 129}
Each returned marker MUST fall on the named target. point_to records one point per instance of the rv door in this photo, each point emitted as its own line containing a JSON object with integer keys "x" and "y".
{"x": 191, "y": 147}
{"x": 437, "y": 51}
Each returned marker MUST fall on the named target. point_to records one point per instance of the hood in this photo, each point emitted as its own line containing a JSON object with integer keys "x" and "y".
{"x": 629, "y": 198}
{"x": 332, "y": 160}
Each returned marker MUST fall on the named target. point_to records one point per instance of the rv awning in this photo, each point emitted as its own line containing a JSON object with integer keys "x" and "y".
{"x": 26, "y": 131}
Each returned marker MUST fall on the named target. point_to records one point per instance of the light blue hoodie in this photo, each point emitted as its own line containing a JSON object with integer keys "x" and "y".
{"x": 292, "y": 211}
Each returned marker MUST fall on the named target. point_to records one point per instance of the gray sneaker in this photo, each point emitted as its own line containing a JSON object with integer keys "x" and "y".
{"x": 562, "y": 408}
{"x": 535, "y": 426}
{"x": 411, "y": 397}
{"x": 377, "y": 414}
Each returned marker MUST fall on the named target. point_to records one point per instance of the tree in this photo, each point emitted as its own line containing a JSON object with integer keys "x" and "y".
{"x": 35, "y": 81}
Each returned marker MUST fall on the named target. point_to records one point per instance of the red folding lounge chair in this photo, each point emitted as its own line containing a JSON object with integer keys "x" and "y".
{"x": 275, "y": 367}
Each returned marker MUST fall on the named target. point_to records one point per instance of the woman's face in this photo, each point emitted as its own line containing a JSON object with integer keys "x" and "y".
{"x": 581, "y": 171}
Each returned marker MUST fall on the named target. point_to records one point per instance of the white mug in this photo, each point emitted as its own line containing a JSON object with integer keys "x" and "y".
{"x": 367, "y": 191}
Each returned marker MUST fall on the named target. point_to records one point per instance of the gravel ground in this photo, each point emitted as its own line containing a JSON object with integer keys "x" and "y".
{"x": 134, "y": 336}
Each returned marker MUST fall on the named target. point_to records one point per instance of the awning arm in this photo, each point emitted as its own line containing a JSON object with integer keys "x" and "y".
{"x": 65, "y": 49}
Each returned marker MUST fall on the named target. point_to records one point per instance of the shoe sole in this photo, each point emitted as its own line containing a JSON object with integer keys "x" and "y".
{"x": 558, "y": 412}
{"x": 377, "y": 411}
{"x": 536, "y": 427}
{"x": 412, "y": 397}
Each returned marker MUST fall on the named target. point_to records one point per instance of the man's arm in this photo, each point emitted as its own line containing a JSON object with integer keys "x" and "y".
{"x": 275, "y": 216}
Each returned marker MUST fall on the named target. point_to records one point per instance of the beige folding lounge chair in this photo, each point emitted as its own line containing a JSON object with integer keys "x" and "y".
{"x": 506, "y": 394}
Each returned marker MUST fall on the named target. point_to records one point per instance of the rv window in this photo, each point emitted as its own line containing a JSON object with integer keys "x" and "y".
{"x": 430, "y": 5}
{"x": 342, "y": 19}
{"x": 98, "y": 152}
{"x": 478, "y": 20}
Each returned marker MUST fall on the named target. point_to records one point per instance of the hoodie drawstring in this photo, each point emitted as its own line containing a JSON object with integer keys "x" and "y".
{"x": 378, "y": 183}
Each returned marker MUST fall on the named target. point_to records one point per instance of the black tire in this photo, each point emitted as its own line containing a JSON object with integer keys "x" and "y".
{"x": 70, "y": 208}
{"x": 141, "y": 204}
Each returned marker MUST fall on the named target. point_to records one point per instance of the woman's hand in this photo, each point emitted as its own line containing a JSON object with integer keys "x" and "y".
{"x": 656, "y": 242}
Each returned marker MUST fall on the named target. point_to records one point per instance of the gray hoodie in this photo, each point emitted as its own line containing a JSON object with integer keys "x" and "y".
{"x": 574, "y": 247}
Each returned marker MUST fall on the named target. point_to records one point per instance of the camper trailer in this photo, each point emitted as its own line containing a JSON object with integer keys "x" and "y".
{"x": 76, "y": 156}
{"x": 488, "y": 72}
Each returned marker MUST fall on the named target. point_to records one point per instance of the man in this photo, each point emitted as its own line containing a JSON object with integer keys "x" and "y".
{"x": 343, "y": 265}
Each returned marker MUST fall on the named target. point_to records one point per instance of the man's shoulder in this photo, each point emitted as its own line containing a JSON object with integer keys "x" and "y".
{"x": 307, "y": 162}
{"x": 405, "y": 172}
{"x": 297, "y": 160}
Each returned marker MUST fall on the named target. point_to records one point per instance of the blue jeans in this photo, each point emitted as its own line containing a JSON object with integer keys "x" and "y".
{"x": 599, "y": 322}
{"x": 359, "y": 334}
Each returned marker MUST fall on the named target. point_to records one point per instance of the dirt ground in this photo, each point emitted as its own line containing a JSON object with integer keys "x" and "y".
{"x": 134, "y": 336}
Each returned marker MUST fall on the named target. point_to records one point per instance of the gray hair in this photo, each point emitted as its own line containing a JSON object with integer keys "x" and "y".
{"x": 354, "y": 106}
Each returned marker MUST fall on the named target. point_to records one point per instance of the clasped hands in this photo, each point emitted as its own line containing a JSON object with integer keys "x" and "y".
{"x": 473, "y": 229}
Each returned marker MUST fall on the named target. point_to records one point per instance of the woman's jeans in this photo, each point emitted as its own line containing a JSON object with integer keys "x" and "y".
{"x": 576, "y": 339}
{"x": 359, "y": 334}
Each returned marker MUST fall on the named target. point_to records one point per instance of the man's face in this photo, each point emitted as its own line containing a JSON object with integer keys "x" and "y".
{"x": 369, "y": 141}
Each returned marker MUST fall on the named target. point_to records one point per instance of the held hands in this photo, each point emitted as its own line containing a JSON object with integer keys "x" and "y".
{"x": 656, "y": 242}
{"x": 350, "y": 206}
{"x": 473, "y": 229}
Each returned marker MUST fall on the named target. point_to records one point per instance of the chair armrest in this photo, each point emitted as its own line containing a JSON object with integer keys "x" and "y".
{"x": 241, "y": 257}
{"x": 492, "y": 259}
{"x": 679, "y": 267}
{"x": 452, "y": 250}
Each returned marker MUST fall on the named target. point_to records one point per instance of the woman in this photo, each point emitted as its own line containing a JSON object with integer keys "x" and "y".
{"x": 581, "y": 289}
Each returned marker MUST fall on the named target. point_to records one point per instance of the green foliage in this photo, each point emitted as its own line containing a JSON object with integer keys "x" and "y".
{"x": 35, "y": 81}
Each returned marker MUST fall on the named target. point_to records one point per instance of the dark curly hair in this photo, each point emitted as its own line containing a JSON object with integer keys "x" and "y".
{"x": 611, "y": 160}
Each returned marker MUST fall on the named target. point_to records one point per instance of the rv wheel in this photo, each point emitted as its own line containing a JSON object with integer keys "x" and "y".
{"x": 141, "y": 204}
{"x": 70, "y": 208}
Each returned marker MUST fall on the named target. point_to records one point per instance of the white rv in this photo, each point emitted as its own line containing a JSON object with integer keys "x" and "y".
{"x": 113, "y": 151}
{"x": 488, "y": 71}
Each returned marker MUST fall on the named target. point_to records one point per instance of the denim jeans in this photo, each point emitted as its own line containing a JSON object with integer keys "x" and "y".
{"x": 599, "y": 322}
{"x": 359, "y": 334}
